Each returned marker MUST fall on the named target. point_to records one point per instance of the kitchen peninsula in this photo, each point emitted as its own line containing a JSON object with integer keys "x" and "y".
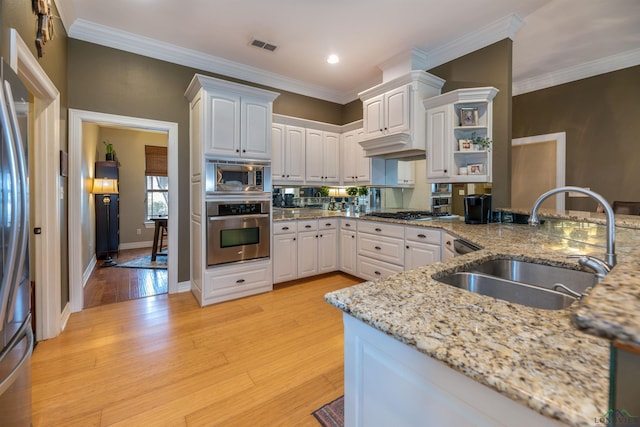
{"x": 496, "y": 352}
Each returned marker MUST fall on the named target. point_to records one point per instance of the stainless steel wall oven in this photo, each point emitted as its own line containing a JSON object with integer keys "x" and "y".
{"x": 237, "y": 231}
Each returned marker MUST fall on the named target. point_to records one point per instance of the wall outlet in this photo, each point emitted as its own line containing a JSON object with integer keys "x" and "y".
{"x": 139, "y": 231}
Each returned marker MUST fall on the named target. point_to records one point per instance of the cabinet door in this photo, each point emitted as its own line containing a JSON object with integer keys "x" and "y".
{"x": 295, "y": 154}
{"x": 277, "y": 152}
{"x": 307, "y": 253}
{"x": 419, "y": 254}
{"x": 362, "y": 163}
{"x": 398, "y": 109}
{"x": 314, "y": 155}
{"x": 438, "y": 147}
{"x": 348, "y": 169}
{"x": 406, "y": 173}
{"x": 327, "y": 251}
{"x": 255, "y": 135}
{"x": 285, "y": 257}
{"x": 331, "y": 157}
{"x": 223, "y": 137}
{"x": 348, "y": 254}
{"x": 373, "y": 110}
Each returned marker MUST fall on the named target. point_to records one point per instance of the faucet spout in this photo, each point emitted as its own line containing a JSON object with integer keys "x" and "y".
{"x": 610, "y": 256}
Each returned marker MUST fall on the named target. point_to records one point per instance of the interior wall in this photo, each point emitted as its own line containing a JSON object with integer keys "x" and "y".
{"x": 128, "y": 145}
{"x": 489, "y": 66}
{"x": 599, "y": 115}
{"x": 90, "y": 139}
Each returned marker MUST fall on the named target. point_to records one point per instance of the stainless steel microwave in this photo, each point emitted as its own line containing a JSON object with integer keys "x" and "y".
{"x": 237, "y": 177}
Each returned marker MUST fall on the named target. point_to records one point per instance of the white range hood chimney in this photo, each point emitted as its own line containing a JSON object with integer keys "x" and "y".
{"x": 393, "y": 112}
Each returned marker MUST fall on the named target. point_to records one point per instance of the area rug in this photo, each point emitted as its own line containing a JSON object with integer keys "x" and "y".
{"x": 331, "y": 414}
{"x": 145, "y": 262}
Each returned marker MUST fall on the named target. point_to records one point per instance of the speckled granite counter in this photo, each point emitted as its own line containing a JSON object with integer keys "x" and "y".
{"x": 536, "y": 357}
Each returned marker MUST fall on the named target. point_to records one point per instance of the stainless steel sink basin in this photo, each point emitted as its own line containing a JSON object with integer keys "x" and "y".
{"x": 508, "y": 290}
{"x": 522, "y": 282}
{"x": 545, "y": 276}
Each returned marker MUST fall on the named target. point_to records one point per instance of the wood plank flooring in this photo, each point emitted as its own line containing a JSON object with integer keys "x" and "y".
{"x": 116, "y": 284}
{"x": 266, "y": 360}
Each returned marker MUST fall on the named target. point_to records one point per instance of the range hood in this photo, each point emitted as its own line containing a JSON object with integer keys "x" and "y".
{"x": 394, "y": 114}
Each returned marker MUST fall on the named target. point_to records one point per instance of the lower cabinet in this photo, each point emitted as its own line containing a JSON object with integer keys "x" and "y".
{"x": 348, "y": 246}
{"x": 380, "y": 249}
{"x": 448, "y": 250}
{"x": 285, "y": 257}
{"x": 307, "y": 248}
{"x": 422, "y": 247}
{"x": 235, "y": 281}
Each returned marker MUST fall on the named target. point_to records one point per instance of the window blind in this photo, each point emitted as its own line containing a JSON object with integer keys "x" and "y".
{"x": 155, "y": 160}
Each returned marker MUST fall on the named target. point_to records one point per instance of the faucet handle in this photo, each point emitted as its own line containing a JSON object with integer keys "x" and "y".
{"x": 600, "y": 267}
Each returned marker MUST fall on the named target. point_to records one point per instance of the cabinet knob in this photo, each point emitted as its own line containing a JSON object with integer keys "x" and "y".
{"x": 353, "y": 237}
{"x": 407, "y": 247}
{"x": 294, "y": 239}
{"x": 283, "y": 175}
{"x": 237, "y": 150}
{"x": 445, "y": 171}
{"x": 321, "y": 235}
{"x": 244, "y": 151}
{"x": 287, "y": 176}
{"x": 381, "y": 130}
{"x": 377, "y": 273}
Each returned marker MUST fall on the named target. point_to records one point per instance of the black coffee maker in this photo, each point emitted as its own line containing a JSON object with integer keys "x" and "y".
{"x": 477, "y": 209}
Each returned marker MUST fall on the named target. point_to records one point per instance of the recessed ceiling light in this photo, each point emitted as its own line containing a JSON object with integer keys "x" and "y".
{"x": 333, "y": 59}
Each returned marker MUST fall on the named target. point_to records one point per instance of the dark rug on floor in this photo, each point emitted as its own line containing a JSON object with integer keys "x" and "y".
{"x": 331, "y": 414}
{"x": 145, "y": 262}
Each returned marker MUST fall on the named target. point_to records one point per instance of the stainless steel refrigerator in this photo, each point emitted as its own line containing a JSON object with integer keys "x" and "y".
{"x": 16, "y": 334}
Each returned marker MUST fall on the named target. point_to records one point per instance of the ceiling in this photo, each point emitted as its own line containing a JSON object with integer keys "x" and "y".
{"x": 554, "y": 41}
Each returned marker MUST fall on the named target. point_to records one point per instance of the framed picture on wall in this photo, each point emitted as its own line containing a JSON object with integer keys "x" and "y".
{"x": 468, "y": 117}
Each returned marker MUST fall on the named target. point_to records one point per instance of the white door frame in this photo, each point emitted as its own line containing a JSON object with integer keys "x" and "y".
{"x": 78, "y": 190}
{"x": 561, "y": 158}
{"x": 46, "y": 136}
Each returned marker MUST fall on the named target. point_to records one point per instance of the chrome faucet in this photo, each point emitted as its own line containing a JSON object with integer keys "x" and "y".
{"x": 599, "y": 266}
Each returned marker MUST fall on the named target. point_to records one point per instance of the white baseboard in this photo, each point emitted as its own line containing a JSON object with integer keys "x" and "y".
{"x": 184, "y": 286}
{"x": 135, "y": 245}
{"x": 87, "y": 272}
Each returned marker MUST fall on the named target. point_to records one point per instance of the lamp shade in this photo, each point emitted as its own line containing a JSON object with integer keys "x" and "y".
{"x": 105, "y": 186}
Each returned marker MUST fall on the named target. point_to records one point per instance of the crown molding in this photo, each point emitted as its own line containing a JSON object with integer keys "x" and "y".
{"x": 498, "y": 30}
{"x": 620, "y": 61}
{"x": 145, "y": 46}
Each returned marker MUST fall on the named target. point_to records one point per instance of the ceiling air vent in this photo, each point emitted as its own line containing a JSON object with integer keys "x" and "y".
{"x": 263, "y": 45}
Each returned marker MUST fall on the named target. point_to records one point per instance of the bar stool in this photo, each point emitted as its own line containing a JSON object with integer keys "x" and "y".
{"x": 158, "y": 237}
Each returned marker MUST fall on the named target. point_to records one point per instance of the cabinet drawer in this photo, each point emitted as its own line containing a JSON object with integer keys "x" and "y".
{"x": 422, "y": 234}
{"x": 239, "y": 276}
{"x": 349, "y": 224}
{"x": 308, "y": 225}
{"x": 328, "y": 224}
{"x": 382, "y": 229}
{"x": 371, "y": 269}
{"x": 284, "y": 227}
{"x": 389, "y": 249}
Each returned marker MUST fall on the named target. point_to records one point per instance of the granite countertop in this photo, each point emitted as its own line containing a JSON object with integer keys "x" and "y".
{"x": 536, "y": 357}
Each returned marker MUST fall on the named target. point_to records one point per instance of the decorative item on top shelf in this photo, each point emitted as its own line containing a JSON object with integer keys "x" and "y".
{"x": 475, "y": 169}
{"x": 468, "y": 116}
{"x": 110, "y": 154}
{"x": 465, "y": 145}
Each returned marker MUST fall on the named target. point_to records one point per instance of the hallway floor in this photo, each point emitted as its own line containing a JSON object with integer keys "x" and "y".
{"x": 116, "y": 284}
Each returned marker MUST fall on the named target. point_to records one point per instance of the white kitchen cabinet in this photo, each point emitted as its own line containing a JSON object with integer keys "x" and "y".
{"x": 389, "y": 383}
{"x": 393, "y": 115}
{"x": 449, "y": 158}
{"x": 322, "y": 157}
{"x": 307, "y": 248}
{"x": 448, "y": 251}
{"x": 422, "y": 247}
{"x": 359, "y": 170}
{"x": 406, "y": 173}
{"x": 348, "y": 246}
{"x": 285, "y": 251}
{"x": 235, "y": 281}
{"x": 288, "y": 151}
{"x": 327, "y": 245}
{"x": 380, "y": 249}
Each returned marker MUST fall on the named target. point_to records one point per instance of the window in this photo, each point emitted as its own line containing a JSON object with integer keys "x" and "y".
{"x": 157, "y": 181}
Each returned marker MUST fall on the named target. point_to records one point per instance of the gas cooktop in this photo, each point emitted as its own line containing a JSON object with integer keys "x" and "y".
{"x": 412, "y": 215}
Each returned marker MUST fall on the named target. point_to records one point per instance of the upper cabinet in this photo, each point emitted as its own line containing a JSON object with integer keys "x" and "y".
{"x": 394, "y": 116}
{"x": 323, "y": 157}
{"x": 357, "y": 169}
{"x": 235, "y": 120}
{"x": 288, "y": 154}
{"x": 455, "y": 120}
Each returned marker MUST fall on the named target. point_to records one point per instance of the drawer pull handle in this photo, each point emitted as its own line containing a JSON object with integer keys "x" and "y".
{"x": 377, "y": 273}
{"x": 378, "y": 230}
{"x": 285, "y": 228}
{"x": 377, "y": 248}
{"x": 422, "y": 236}
{"x": 347, "y": 225}
{"x": 240, "y": 281}
{"x": 307, "y": 226}
{"x": 328, "y": 224}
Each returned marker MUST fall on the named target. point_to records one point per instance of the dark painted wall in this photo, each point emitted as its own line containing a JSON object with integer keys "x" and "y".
{"x": 489, "y": 66}
{"x": 601, "y": 116}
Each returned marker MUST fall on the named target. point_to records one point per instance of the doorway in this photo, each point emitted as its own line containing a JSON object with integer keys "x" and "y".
{"x": 80, "y": 195}
{"x": 538, "y": 165}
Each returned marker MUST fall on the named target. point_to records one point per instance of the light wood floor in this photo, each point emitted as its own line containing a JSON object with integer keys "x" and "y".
{"x": 116, "y": 284}
{"x": 265, "y": 360}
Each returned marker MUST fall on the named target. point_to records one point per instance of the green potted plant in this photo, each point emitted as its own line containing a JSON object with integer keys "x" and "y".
{"x": 363, "y": 191}
{"x": 324, "y": 191}
{"x": 352, "y": 191}
{"x": 481, "y": 141}
{"x": 110, "y": 156}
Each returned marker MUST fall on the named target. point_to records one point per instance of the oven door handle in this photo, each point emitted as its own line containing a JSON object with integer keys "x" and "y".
{"x": 225, "y": 217}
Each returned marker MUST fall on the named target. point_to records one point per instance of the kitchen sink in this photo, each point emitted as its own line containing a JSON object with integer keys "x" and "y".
{"x": 522, "y": 282}
{"x": 545, "y": 276}
{"x": 508, "y": 290}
